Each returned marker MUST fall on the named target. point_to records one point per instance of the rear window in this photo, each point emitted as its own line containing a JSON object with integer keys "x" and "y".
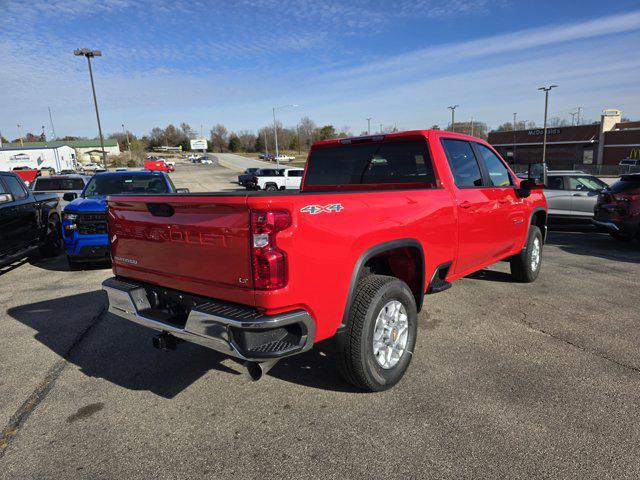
{"x": 125, "y": 184}
{"x": 625, "y": 184}
{"x": 295, "y": 173}
{"x": 371, "y": 163}
{"x": 51, "y": 184}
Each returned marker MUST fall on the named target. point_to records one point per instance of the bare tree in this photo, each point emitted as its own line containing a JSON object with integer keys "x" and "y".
{"x": 219, "y": 136}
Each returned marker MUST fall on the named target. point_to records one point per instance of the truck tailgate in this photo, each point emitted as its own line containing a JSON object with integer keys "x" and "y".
{"x": 197, "y": 244}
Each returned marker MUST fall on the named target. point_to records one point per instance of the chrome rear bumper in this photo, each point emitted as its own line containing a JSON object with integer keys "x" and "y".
{"x": 234, "y": 330}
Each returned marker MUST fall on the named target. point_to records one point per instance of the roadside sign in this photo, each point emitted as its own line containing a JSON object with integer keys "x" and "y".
{"x": 199, "y": 144}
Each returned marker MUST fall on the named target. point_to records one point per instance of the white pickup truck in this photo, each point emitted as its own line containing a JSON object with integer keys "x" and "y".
{"x": 277, "y": 179}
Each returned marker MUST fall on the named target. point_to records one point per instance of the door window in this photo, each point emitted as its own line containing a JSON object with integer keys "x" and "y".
{"x": 555, "y": 183}
{"x": 15, "y": 187}
{"x": 498, "y": 173}
{"x": 295, "y": 173}
{"x": 585, "y": 184}
{"x": 463, "y": 163}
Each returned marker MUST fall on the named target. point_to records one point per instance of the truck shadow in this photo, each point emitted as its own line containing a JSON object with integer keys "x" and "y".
{"x": 120, "y": 352}
{"x": 60, "y": 264}
{"x": 593, "y": 244}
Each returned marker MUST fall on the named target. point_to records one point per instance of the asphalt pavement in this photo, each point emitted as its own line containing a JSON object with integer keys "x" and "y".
{"x": 507, "y": 380}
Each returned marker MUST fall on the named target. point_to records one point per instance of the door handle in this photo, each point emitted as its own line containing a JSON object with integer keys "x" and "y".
{"x": 465, "y": 204}
{"x": 576, "y": 195}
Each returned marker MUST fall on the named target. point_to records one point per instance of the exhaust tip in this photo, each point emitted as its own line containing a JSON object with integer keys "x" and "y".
{"x": 256, "y": 370}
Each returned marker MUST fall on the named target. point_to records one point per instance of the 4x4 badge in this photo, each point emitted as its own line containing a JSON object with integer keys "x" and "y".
{"x": 313, "y": 209}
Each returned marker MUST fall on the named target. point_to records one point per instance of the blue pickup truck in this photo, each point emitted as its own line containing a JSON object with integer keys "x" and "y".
{"x": 84, "y": 220}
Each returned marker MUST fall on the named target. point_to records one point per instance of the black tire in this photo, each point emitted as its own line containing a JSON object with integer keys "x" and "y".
{"x": 52, "y": 245}
{"x": 357, "y": 361}
{"x": 522, "y": 265}
{"x": 621, "y": 237}
{"x": 271, "y": 187}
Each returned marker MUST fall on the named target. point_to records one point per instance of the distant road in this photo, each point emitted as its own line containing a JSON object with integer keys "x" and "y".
{"x": 240, "y": 163}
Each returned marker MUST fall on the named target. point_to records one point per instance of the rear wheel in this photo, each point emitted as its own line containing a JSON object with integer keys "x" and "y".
{"x": 526, "y": 265}
{"x": 272, "y": 187}
{"x": 376, "y": 348}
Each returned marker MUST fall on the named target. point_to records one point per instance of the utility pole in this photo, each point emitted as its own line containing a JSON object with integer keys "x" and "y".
{"x": 573, "y": 117}
{"x": 546, "y": 91}
{"x": 453, "y": 115}
{"x": 20, "y": 135}
{"x": 578, "y": 113}
{"x": 53, "y": 130}
{"x": 299, "y": 147}
{"x": 85, "y": 52}
{"x": 369, "y": 125}
{"x": 126, "y": 134}
{"x": 380, "y": 128}
{"x": 44, "y": 135}
{"x": 472, "y": 126}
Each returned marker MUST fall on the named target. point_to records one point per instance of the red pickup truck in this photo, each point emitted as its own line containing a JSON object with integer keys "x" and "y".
{"x": 379, "y": 222}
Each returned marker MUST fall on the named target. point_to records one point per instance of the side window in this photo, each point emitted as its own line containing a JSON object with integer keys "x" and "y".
{"x": 555, "y": 183}
{"x": 295, "y": 173}
{"x": 15, "y": 187}
{"x": 498, "y": 173}
{"x": 2, "y": 189}
{"x": 463, "y": 163}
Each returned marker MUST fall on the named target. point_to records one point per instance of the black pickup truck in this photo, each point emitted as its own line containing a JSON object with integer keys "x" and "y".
{"x": 28, "y": 222}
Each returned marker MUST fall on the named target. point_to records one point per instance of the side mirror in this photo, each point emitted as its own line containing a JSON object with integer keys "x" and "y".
{"x": 69, "y": 196}
{"x": 182, "y": 190}
{"x": 6, "y": 198}
{"x": 527, "y": 185}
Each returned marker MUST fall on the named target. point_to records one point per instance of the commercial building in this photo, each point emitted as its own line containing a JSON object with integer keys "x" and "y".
{"x": 60, "y": 157}
{"x": 85, "y": 150}
{"x": 597, "y": 148}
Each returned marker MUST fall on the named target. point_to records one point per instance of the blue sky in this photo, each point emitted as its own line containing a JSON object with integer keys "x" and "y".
{"x": 400, "y": 62}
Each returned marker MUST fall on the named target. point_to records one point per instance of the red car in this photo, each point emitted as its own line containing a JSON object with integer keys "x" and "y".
{"x": 380, "y": 221}
{"x": 618, "y": 208}
{"x": 158, "y": 165}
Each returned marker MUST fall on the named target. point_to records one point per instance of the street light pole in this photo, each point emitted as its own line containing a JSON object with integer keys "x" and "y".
{"x": 546, "y": 91}
{"x": 20, "y": 134}
{"x": 578, "y": 115}
{"x": 369, "y": 125}
{"x": 453, "y": 116}
{"x": 275, "y": 130}
{"x": 85, "y": 52}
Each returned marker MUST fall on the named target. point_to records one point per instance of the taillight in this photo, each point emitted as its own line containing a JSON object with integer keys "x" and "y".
{"x": 269, "y": 263}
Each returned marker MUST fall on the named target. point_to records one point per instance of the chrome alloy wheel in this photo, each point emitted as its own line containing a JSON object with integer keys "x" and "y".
{"x": 535, "y": 254}
{"x": 391, "y": 334}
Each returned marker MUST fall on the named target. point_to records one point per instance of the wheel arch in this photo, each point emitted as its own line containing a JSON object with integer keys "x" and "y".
{"x": 403, "y": 246}
{"x": 538, "y": 218}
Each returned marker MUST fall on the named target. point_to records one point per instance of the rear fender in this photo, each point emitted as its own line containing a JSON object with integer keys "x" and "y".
{"x": 374, "y": 251}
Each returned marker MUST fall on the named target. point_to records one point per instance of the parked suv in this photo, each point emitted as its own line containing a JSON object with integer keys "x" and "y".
{"x": 571, "y": 196}
{"x": 618, "y": 208}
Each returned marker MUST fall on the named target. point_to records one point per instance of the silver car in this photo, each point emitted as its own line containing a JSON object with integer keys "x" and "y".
{"x": 571, "y": 197}
{"x": 61, "y": 185}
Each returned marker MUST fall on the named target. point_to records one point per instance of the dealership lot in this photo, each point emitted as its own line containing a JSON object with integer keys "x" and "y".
{"x": 507, "y": 379}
